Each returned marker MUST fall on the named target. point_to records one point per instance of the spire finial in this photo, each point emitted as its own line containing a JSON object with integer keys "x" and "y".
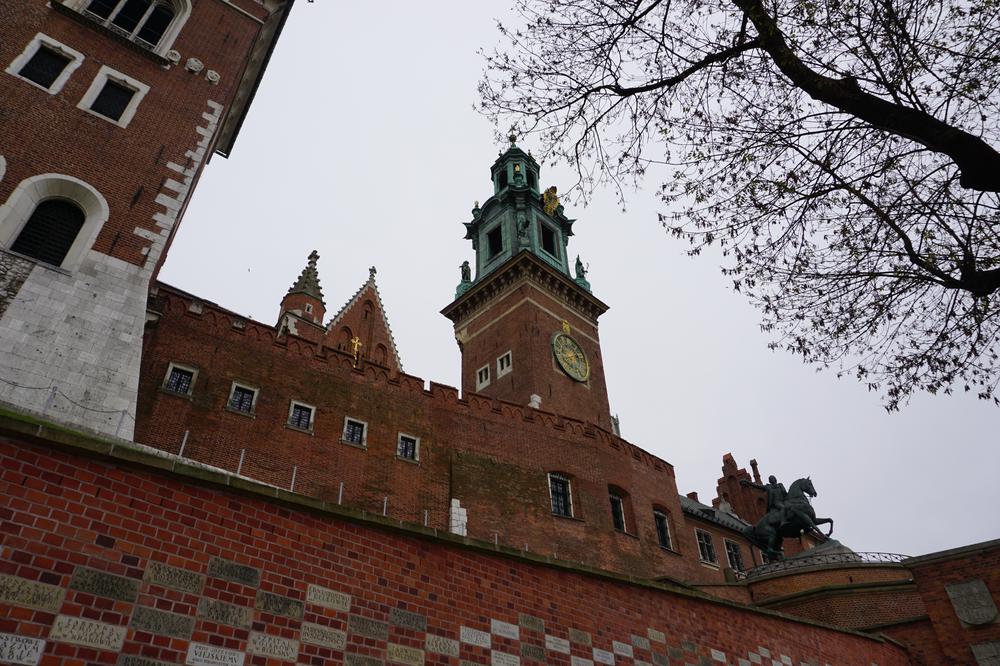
{"x": 371, "y": 273}
{"x": 308, "y": 281}
{"x": 512, "y": 137}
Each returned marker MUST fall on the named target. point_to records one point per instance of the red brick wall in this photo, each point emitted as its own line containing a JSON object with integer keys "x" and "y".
{"x": 792, "y": 582}
{"x": 856, "y": 608}
{"x": 65, "y": 511}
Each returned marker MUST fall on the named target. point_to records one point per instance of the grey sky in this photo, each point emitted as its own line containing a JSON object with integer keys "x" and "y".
{"x": 363, "y": 144}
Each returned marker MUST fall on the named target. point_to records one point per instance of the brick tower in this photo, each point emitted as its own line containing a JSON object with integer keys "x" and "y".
{"x": 527, "y": 329}
{"x": 109, "y": 110}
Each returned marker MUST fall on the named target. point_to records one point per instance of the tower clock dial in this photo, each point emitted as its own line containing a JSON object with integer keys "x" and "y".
{"x": 570, "y": 357}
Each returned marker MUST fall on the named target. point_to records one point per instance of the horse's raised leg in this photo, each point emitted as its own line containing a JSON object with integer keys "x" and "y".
{"x": 825, "y": 521}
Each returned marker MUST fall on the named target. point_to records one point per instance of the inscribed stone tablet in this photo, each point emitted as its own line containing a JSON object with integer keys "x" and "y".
{"x": 764, "y": 652}
{"x": 362, "y": 626}
{"x": 505, "y": 629}
{"x": 531, "y": 622}
{"x": 676, "y": 653}
{"x": 277, "y": 647}
{"x": 987, "y": 654}
{"x": 237, "y": 573}
{"x": 317, "y": 634}
{"x": 475, "y": 637}
{"x": 441, "y": 645}
{"x": 161, "y": 622}
{"x": 640, "y": 642}
{"x": 20, "y": 649}
{"x": 580, "y": 661}
{"x": 279, "y": 605}
{"x": 503, "y": 659}
{"x": 657, "y": 636}
{"x": 200, "y": 654}
{"x": 136, "y": 660}
{"x": 223, "y": 613}
{"x": 400, "y": 654}
{"x": 642, "y": 663}
{"x": 535, "y": 652}
{"x": 604, "y": 657}
{"x": 755, "y": 658}
{"x": 972, "y": 601}
{"x": 100, "y": 635}
{"x": 104, "y": 584}
{"x": 164, "y": 575}
{"x": 407, "y": 620}
{"x": 577, "y": 636}
{"x": 19, "y": 591}
{"x": 660, "y": 659}
{"x": 624, "y": 649}
{"x": 556, "y": 644}
{"x": 359, "y": 660}
{"x": 321, "y": 596}
{"x": 719, "y": 655}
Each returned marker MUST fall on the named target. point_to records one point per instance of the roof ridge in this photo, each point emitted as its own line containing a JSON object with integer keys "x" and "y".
{"x": 370, "y": 282}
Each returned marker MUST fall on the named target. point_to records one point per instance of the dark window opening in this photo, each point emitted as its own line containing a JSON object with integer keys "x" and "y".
{"x": 157, "y": 23}
{"x": 407, "y": 447}
{"x": 559, "y": 490}
{"x": 734, "y": 555}
{"x": 301, "y": 417}
{"x": 180, "y": 381}
{"x": 662, "y": 529}
{"x": 113, "y": 99}
{"x": 549, "y": 240}
{"x": 45, "y": 67}
{"x": 532, "y": 180}
{"x": 354, "y": 432}
{"x": 242, "y": 399}
{"x": 617, "y": 512}
{"x": 102, "y": 8}
{"x": 494, "y": 243}
{"x": 130, "y": 14}
{"x": 50, "y": 231}
{"x": 502, "y": 179}
{"x": 706, "y": 548}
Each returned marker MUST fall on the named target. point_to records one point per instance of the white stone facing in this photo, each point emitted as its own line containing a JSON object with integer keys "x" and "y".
{"x": 505, "y": 629}
{"x": 719, "y": 655}
{"x": 785, "y": 659}
{"x": 441, "y": 645}
{"x": 640, "y": 642}
{"x": 498, "y": 658}
{"x": 200, "y": 654}
{"x": 754, "y": 658}
{"x": 764, "y": 652}
{"x": 401, "y": 654}
{"x": 657, "y": 636}
{"x": 580, "y": 661}
{"x": 16, "y": 649}
{"x": 556, "y": 644}
{"x": 328, "y": 598}
{"x": 624, "y": 649}
{"x": 76, "y": 630}
{"x": 604, "y": 657}
{"x": 475, "y": 637}
{"x": 317, "y": 634}
{"x": 270, "y": 645}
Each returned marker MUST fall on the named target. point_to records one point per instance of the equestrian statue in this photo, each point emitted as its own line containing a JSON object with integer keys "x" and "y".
{"x": 789, "y": 514}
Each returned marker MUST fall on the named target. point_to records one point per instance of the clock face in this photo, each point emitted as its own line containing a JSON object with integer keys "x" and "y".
{"x": 570, "y": 357}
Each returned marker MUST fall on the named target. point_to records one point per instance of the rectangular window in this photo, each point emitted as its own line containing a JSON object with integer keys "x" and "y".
{"x": 734, "y": 555}
{"x": 242, "y": 399}
{"x": 482, "y": 377}
{"x": 504, "y": 364}
{"x": 494, "y": 242}
{"x": 300, "y": 416}
{"x": 354, "y": 432}
{"x": 179, "y": 380}
{"x": 662, "y": 529}
{"x": 407, "y": 447}
{"x": 559, "y": 491}
{"x": 45, "y": 66}
{"x": 617, "y": 512}
{"x": 549, "y": 240}
{"x": 113, "y": 99}
{"x": 706, "y": 548}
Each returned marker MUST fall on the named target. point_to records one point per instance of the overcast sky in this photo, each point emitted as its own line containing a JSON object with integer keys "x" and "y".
{"x": 363, "y": 144}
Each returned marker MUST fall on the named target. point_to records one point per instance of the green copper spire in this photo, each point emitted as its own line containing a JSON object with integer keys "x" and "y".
{"x": 308, "y": 282}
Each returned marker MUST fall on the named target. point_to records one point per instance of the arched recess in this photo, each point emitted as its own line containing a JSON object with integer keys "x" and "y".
{"x": 32, "y": 191}
{"x": 381, "y": 355}
{"x": 344, "y": 339}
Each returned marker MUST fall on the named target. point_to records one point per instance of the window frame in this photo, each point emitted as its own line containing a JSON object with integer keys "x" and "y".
{"x": 569, "y": 494}
{"x": 292, "y": 404}
{"x": 97, "y": 85}
{"x": 183, "y": 368}
{"x": 253, "y": 400}
{"x": 182, "y": 11}
{"x": 510, "y": 363}
{"x": 618, "y": 511}
{"x": 416, "y": 447}
{"x": 481, "y": 384}
{"x": 41, "y": 40}
{"x": 657, "y": 514}
{"x": 490, "y": 255}
{"x": 739, "y": 553}
{"x": 363, "y": 444}
{"x": 710, "y": 543}
{"x": 543, "y": 226}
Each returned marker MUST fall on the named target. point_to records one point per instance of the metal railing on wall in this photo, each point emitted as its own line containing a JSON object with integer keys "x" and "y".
{"x": 807, "y": 561}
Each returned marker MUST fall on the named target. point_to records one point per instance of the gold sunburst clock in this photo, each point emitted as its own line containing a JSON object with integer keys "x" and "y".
{"x": 570, "y": 356}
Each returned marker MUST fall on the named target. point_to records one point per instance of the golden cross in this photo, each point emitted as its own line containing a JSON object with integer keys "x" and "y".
{"x": 565, "y": 326}
{"x": 355, "y": 345}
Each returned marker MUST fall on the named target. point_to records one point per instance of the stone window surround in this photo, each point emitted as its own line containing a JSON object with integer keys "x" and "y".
{"x": 21, "y": 203}
{"x": 657, "y": 512}
{"x": 363, "y": 444}
{"x": 166, "y": 378}
{"x": 97, "y": 85}
{"x": 711, "y": 540}
{"x": 497, "y": 226}
{"x": 556, "y": 237}
{"x": 312, "y": 416}
{"x": 725, "y": 544}
{"x": 182, "y": 11}
{"x": 41, "y": 39}
{"x": 253, "y": 402}
{"x": 416, "y": 447}
{"x": 501, "y": 371}
{"x": 483, "y": 383}
{"x": 569, "y": 493}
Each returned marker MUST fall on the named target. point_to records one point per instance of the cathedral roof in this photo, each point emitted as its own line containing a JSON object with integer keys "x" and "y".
{"x": 355, "y": 301}
{"x": 308, "y": 281}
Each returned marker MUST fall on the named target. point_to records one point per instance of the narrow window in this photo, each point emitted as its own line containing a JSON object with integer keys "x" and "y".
{"x": 102, "y": 8}
{"x": 113, "y": 99}
{"x": 309, "y": 308}
{"x": 548, "y": 240}
{"x": 155, "y": 25}
{"x": 50, "y": 231}
{"x": 706, "y": 548}
{"x": 242, "y": 399}
{"x": 502, "y": 179}
{"x": 532, "y": 179}
{"x": 130, "y": 14}
{"x": 483, "y": 377}
{"x": 494, "y": 242}
{"x": 179, "y": 380}
{"x": 354, "y": 432}
{"x": 300, "y": 416}
{"x": 734, "y": 555}
{"x": 559, "y": 492}
{"x": 617, "y": 511}
{"x": 45, "y": 66}
{"x": 407, "y": 446}
{"x": 662, "y": 529}
{"x": 504, "y": 364}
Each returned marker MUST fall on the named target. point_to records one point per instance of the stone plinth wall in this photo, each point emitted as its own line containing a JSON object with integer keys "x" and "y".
{"x": 108, "y": 561}
{"x": 794, "y": 581}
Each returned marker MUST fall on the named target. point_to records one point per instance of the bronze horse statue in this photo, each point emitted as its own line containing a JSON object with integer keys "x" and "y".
{"x": 791, "y": 519}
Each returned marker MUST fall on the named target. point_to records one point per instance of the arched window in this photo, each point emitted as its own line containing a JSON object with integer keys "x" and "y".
{"x": 621, "y": 510}
{"x": 50, "y": 231}
{"x": 150, "y": 23}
